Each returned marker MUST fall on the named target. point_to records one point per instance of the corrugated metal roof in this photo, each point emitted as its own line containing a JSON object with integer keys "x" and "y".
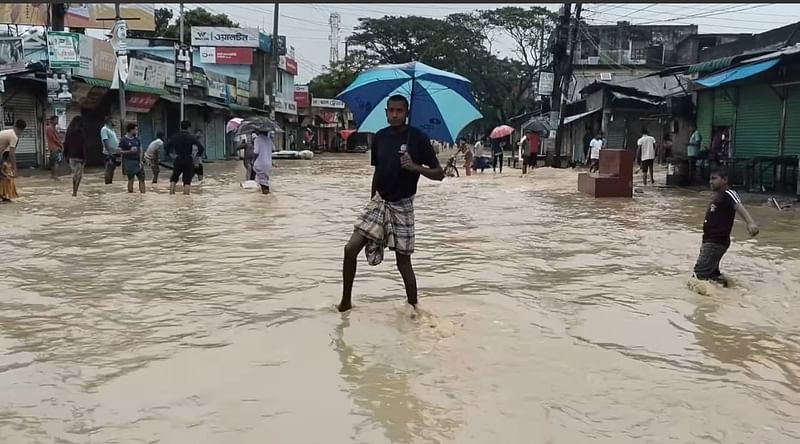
{"x": 653, "y": 85}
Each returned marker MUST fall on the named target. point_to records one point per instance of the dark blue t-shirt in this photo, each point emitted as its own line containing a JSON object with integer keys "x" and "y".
{"x": 393, "y": 182}
{"x": 130, "y": 143}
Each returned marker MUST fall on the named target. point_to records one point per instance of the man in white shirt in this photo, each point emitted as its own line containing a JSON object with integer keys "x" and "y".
{"x": 594, "y": 152}
{"x": 647, "y": 150}
{"x": 152, "y": 156}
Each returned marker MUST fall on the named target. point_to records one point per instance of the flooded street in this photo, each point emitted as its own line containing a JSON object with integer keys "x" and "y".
{"x": 548, "y": 316}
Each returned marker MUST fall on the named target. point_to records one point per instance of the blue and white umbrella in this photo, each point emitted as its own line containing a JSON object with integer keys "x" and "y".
{"x": 441, "y": 103}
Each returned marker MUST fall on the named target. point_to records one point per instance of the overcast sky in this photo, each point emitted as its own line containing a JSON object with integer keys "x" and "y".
{"x": 306, "y": 25}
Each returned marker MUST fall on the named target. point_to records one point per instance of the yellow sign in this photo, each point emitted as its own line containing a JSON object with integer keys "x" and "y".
{"x": 140, "y": 17}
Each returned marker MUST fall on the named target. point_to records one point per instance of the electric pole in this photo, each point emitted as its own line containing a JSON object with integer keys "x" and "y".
{"x": 123, "y": 49}
{"x": 58, "y": 12}
{"x": 566, "y": 77}
{"x": 183, "y": 87}
{"x": 559, "y": 51}
{"x": 273, "y": 64}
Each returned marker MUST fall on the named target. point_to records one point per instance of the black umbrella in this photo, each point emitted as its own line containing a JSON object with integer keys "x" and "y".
{"x": 258, "y": 124}
{"x": 536, "y": 126}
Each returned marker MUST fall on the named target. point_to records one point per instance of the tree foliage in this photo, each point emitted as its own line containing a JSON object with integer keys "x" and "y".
{"x": 460, "y": 43}
{"x": 167, "y": 25}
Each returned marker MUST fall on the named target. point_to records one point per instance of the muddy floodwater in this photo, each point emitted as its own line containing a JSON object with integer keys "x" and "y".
{"x": 547, "y": 316}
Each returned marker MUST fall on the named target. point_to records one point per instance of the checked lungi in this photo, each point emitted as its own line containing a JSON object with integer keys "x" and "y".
{"x": 387, "y": 225}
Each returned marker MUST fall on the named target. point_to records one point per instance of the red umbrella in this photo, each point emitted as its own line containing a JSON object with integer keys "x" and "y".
{"x": 501, "y": 131}
{"x": 346, "y": 133}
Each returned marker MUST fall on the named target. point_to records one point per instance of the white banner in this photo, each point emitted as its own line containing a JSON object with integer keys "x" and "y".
{"x": 327, "y": 103}
{"x": 208, "y": 55}
{"x": 230, "y": 37}
{"x": 285, "y": 106}
{"x": 147, "y": 73}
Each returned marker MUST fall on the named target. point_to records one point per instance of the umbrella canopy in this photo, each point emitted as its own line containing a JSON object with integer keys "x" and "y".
{"x": 536, "y": 126}
{"x": 501, "y": 131}
{"x": 233, "y": 124}
{"x": 441, "y": 103}
{"x": 346, "y": 133}
{"x": 258, "y": 124}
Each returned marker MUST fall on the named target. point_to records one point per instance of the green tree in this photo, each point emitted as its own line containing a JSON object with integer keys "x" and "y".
{"x": 340, "y": 75}
{"x": 167, "y": 25}
{"x": 529, "y": 29}
{"x": 163, "y": 16}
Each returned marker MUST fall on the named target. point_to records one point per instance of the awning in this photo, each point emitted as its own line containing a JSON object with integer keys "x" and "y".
{"x": 738, "y": 73}
{"x": 621, "y": 96}
{"x": 570, "y": 119}
{"x": 192, "y": 101}
{"x": 246, "y": 109}
{"x": 146, "y": 89}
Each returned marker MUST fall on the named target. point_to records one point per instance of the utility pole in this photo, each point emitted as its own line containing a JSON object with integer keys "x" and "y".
{"x": 122, "y": 50}
{"x": 559, "y": 51}
{"x": 273, "y": 64}
{"x": 346, "y": 53}
{"x": 566, "y": 78}
{"x": 58, "y": 12}
{"x": 183, "y": 87}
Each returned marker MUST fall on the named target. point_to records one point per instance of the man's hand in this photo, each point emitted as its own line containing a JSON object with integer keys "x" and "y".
{"x": 752, "y": 229}
{"x": 407, "y": 163}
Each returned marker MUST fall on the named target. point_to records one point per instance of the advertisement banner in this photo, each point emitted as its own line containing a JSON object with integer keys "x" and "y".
{"x": 285, "y": 106}
{"x": 327, "y": 103}
{"x": 226, "y": 56}
{"x": 183, "y": 64}
{"x": 302, "y": 96}
{"x": 80, "y": 15}
{"x": 265, "y": 43}
{"x": 97, "y": 59}
{"x": 63, "y": 49}
{"x": 216, "y": 85}
{"x": 11, "y": 51}
{"x": 147, "y": 73}
{"x": 287, "y": 64}
{"x": 234, "y": 56}
{"x": 140, "y": 102}
{"x": 226, "y": 37}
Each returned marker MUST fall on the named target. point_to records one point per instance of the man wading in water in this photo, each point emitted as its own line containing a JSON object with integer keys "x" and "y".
{"x": 398, "y": 155}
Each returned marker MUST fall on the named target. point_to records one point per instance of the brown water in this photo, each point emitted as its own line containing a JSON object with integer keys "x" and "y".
{"x": 548, "y": 317}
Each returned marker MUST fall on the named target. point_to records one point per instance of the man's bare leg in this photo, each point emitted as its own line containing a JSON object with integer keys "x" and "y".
{"x": 130, "y": 185}
{"x": 172, "y": 187}
{"x": 351, "y": 251}
{"x": 141, "y": 186}
{"x": 187, "y": 189}
{"x": 409, "y": 279}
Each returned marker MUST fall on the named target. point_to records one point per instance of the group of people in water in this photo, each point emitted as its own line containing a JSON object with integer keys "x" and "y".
{"x": 182, "y": 153}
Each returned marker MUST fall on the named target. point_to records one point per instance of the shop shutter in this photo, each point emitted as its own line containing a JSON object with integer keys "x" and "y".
{"x": 30, "y": 149}
{"x": 757, "y": 122}
{"x": 723, "y": 107}
{"x": 146, "y": 128}
{"x": 616, "y": 133}
{"x": 705, "y": 113}
{"x": 215, "y": 138}
{"x": 791, "y": 138}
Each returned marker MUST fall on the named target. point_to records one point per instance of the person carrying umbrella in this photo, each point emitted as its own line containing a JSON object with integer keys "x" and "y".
{"x": 439, "y": 107}
{"x": 400, "y": 155}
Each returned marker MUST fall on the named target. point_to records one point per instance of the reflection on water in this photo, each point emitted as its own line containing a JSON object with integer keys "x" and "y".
{"x": 548, "y": 316}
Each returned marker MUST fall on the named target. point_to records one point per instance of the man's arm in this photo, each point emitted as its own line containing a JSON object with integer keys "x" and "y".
{"x": 752, "y": 227}
{"x": 200, "y": 148}
{"x": 374, "y": 183}
{"x": 107, "y": 144}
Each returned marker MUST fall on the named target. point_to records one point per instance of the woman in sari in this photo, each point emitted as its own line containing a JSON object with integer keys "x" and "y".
{"x": 262, "y": 165}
